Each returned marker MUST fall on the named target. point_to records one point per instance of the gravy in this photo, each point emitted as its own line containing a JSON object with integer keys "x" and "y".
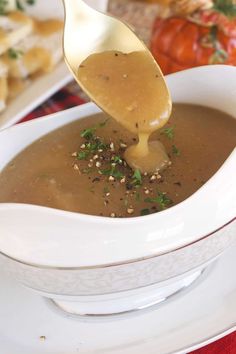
{"x": 81, "y": 167}
{"x": 131, "y": 88}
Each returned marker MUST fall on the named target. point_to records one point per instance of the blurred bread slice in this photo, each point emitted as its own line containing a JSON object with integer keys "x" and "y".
{"x": 38, "y": 52}
{"x": 3, "y": 86}
{"x": 3, "y": 69}
{"x": 13, "y": 28}
{"x": 16, "y": 86}
{"x": 10, "y": 5}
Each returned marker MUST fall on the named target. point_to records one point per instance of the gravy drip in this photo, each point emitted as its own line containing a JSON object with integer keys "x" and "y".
{"x": 131, "y": 88}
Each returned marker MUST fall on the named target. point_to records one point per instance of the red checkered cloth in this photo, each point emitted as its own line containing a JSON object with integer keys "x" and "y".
{"x": 226, "y": 345}
{"x": 62, "y": 100}
{"x": 71, "y": 96}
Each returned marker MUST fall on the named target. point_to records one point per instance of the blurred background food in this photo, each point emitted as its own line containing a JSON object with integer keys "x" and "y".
{"x": 180, "y": 33}
{"x": 28, "y": 48}
{"x": 183, "y": 33}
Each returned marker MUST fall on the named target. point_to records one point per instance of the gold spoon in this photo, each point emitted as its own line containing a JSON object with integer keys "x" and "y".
{"x": 91, "y": 37}
{"x": 88, "y": 31}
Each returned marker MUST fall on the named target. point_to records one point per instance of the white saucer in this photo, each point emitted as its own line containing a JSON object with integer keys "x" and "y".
{"x": 196, "y": 317}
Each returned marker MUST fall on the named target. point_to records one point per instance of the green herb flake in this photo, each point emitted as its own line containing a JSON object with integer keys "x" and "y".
{"x": 82, "y": 155}
{"x": 169, "y": 132}
{"x": 112, "y": 172}
{"x": 137, "y": 178}
{"x": 106, "y": 172}
{"x": 88, "y": 133}
{"x": 117, "y": 159}
{"x": 162, "y": 200}
{"x": 144, "y": 212}
{"x": 175, "y": 150}
{"x": 14, "y": 53}
{"x": 96, "y": 145}
{"x": 117, "y": 174}
{"x": 91, "y": 147}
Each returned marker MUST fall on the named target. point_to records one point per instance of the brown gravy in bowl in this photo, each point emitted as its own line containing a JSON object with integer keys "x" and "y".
{"x": 81, "y": 167}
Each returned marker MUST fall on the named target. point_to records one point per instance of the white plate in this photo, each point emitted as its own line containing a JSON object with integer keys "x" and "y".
{"x": 190, "y": 320}
{"x": 48, "y": 84}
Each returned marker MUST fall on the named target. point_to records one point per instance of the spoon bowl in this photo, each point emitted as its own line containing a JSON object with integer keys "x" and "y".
{"x": 117, "y": 71}
{"x": 88, "y": 31}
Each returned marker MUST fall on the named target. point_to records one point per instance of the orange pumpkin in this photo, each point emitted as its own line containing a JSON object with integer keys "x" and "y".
{"x": 208, "y": 37}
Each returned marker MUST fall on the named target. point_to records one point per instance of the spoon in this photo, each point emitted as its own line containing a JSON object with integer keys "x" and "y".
{"x": 142, "y": 104}
{"x": 89, "y": 31}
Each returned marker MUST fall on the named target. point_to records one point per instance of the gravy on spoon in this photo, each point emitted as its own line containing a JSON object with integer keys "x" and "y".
{"x": 131, "y": 89}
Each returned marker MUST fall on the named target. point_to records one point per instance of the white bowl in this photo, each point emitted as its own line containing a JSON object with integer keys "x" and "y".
{"x": 116, "y": 265}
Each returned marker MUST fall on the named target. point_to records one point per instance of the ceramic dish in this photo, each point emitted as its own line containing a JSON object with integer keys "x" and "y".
{"x": 197, "y": 317}
{"x": 45, "y": 86}
{"x": 101, "y": 266}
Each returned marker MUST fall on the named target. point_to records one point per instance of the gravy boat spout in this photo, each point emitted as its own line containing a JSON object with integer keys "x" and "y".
{"x": 63, "y": 254}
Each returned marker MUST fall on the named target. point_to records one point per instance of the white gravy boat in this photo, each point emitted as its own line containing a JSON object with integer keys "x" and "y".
{"x": 92, "y": 265}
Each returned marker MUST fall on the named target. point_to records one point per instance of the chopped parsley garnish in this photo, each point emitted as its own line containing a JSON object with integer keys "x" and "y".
{"x": 112, "y": 172}
{"x": 169, "y": 132}
{"x": 82, "y": 155}
{"x": 91, "y": 147}
{"x": 175, "y": 150}
{"x": 144, "y": 212}
{"x": 117, "y": 174}
{"x": 162, "y": 200}
{"x": 95, "y": 145}
{"x": 137, "y": 178}
{"x": 105, "y": 158}
{"x": 89, "y": 132}
{"x": 117, "y": 159}
{"x": 14, "y": 53}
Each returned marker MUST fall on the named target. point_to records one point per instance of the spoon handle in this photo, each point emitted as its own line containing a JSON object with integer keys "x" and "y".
{"x": 73, "y": 8}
